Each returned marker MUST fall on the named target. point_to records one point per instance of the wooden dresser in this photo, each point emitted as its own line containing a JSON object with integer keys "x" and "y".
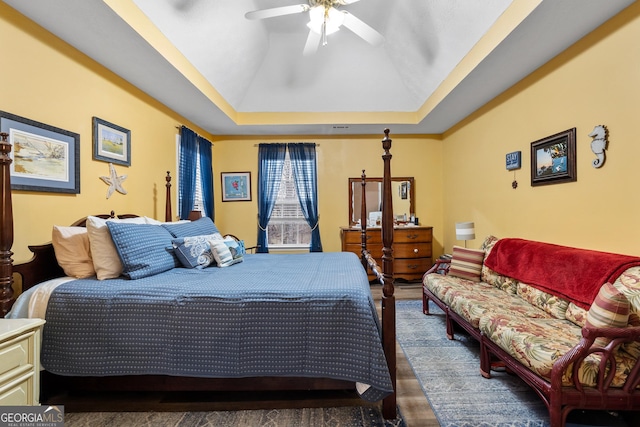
{"x": 20, "y": 362}
{"x": 411, "y": 249}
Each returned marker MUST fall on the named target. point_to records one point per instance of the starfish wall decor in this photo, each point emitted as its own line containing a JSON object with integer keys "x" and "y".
{"x": 114, "y": 181}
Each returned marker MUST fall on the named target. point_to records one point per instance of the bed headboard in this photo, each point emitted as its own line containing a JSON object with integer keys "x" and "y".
{"x": 43, "y": 265}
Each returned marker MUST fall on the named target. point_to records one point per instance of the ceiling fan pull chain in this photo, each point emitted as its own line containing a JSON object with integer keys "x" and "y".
{"x": 324, "y": 26}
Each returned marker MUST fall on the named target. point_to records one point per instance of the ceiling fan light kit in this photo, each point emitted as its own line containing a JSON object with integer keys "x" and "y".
{"x": 324, "y": 19}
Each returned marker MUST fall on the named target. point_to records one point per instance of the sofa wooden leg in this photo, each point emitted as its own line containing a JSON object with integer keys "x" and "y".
{"x": 425, "y": 303}
{"x": 449, "y": 324}
{"x": 485, "y": 359}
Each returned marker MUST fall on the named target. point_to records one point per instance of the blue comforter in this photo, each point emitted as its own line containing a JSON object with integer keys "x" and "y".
{"x": 303, "y": 315}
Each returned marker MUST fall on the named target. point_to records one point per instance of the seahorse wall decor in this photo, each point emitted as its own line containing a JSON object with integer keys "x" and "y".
{"x": 600, "y": 135}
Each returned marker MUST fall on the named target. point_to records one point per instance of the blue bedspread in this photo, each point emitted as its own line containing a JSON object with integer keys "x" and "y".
{"x": 303, "y": 315}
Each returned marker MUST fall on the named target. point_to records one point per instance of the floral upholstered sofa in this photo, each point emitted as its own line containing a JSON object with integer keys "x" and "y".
{"x": 566, "y": 320}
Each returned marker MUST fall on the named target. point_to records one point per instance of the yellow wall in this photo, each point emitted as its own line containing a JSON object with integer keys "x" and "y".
{"x": 459, "y": 177}
{"x": 46, "y": 80}
{"x": 596, "y": 81}
{"x": 338, "y": 159}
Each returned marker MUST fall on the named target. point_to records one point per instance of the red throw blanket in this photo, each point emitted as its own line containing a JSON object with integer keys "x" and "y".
{"x": 570, "y": 273}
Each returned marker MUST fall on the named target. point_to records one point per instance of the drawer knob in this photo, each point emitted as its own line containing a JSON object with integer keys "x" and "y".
{"x": 412, "y": 236}
{"x": 415, "y": 251}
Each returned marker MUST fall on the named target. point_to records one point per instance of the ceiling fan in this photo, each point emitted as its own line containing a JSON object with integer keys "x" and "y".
{"x": 324, "y": 19}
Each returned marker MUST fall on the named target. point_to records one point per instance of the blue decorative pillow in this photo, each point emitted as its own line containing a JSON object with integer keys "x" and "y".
{"x": 144, "y": 249}
{"x": 200, "y": 227}
{"x": 195, "y": 251}
{"x": 225, "y": 252}
{"x": 236, "y": 247}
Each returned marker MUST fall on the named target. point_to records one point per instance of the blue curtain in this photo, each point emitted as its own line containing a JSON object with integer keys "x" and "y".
{"x": 303, "y": 163}
{"x": 206, "y": 176}
{"x": 187, "y": 171}
{"x": 270, "y": 163}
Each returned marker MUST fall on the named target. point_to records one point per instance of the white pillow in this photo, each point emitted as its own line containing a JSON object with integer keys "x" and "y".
{"x": 71, "y": 246}
{"x": 106, "y": 260}
{"x": 154, "y": 221}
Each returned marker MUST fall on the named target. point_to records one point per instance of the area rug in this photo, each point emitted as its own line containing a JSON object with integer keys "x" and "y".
{"x": 449, "y": 374}
{"x": 306, "y": 417}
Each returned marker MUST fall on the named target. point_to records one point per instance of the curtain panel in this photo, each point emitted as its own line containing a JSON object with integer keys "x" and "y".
{"x": 187, "y": 171}
{"x": 270, "y": 164}
{"x": 305, "y": 176}
{"x": 206, "y": 176}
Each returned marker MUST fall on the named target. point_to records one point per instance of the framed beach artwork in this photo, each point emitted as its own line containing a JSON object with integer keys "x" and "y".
{"x": 553, "y": 159}
{"x": 111, "y": 143}
{"x": 236, "y": 186}
{"x": 45, "y": 158}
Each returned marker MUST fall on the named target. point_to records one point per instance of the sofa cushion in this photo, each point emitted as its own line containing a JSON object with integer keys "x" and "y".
{"x": 555, "y": 306}
{"x": 507, "y": 284}
{"x": 473, "y": 304}
{"x": 466, "y": 263}
{"x": 538, "y": 343}
{"x": 441, "y": 285}
{"x": 576, "y": 315}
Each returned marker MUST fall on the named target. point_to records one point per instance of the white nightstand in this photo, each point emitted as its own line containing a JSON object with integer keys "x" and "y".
{"x": 20, "y": 361}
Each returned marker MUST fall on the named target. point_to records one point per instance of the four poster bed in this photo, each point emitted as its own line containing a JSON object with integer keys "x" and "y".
{"x": 270, "y": 322}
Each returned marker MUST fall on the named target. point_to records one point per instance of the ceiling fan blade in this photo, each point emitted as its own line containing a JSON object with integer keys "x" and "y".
{"x": 361, "y": 29}
{"x": 311, "y": 46}
{"x": 277, "y": 11}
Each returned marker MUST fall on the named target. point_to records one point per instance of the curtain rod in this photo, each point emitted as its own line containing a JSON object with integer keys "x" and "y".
{"x": 180, "y": 128}
{"x": 257, "y": 145}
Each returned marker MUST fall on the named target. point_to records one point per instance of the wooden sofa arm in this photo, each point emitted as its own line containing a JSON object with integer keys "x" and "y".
{"x": 586, "y": 347}
{"x": 441, "y": 266}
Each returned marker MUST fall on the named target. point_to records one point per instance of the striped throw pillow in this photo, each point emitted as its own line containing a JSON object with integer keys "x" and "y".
{"x": 610, "y": 309}
{"x": 466, "y": 263}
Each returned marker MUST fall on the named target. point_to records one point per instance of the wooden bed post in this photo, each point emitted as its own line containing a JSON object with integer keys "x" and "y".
{"x": 167, "y": 208}
{"x": 388, "y": 299}
{"x": 363, "y": 221}
{"x": 6, "y": 228}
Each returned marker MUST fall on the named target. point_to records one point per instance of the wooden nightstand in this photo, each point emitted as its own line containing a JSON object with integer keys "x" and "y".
{"x": 20, "y": 361}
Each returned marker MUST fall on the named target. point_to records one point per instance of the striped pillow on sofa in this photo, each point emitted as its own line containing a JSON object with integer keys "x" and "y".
{"x": 466, "y": 263}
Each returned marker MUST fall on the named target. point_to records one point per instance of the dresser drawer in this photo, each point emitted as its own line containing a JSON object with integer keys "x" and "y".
{"x": 355, "y": 236}
{"x": 411, "y": 266}
{"x": 404, "y": 235}
{"x": 412, "y": 250}
{"x": 14, "y": 354}
{"x": 19, "y": 391}
{"x": 20, "y": 361}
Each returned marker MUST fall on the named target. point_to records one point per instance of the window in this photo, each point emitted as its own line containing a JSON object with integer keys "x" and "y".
{"x": 287, "y": 227}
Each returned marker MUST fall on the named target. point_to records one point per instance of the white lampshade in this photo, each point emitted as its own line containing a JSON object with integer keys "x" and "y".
{"x": 465, "y": 231}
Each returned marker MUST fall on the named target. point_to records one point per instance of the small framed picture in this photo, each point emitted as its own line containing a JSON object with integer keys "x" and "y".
{"x": 236, "y": 186}
{"x": 111, "y": 143}
{"x": 45, "y": 158}
{"x": 553, "y": 159}
{"x": 513, "y": 160}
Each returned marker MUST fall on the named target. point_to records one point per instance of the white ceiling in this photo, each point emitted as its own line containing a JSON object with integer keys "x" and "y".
{"x": 441, "y": 59}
